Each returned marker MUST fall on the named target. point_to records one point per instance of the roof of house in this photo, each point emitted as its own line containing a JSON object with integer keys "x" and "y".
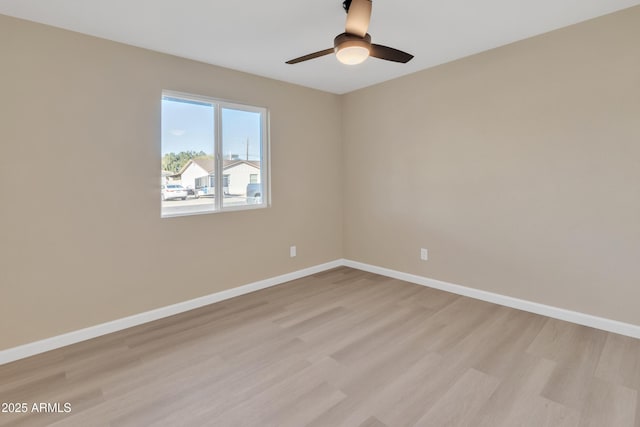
{"x": 209, "y": 164}
{"x": 231, "y": 163}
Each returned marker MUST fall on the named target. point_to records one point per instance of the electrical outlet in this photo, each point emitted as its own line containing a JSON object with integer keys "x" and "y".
{"x": 424, "y": 254}
{"x": 292, "y": 251}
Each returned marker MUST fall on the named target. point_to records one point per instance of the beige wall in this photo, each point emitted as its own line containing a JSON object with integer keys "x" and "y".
{"x": 77, "y": 252}
{"x": 518, "y": 168}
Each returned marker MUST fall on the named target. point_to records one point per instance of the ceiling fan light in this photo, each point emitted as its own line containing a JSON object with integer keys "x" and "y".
{"x": 352, "y": 53}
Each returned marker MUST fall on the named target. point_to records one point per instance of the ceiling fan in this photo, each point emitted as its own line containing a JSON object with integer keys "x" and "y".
{"x": 354, "y": 45}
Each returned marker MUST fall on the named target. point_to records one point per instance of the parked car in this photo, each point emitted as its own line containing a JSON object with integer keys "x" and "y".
{"x": 173, "y": 191}
{"x": 192, "y": 192}
{"x": 254, "y": 193}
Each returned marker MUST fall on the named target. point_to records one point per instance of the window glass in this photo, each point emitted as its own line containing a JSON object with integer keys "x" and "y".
{"x": 242, "y": 152}
{"x": 201, "y": 136}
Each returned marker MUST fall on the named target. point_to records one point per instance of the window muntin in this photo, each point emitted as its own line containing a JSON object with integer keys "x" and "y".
{"x": 201, "y": 136}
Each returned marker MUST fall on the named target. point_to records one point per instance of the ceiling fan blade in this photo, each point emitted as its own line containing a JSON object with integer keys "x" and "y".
{"x": 311, "y": 56}
{"x": 358, "y": 17}
{"x": 389, "y": 53}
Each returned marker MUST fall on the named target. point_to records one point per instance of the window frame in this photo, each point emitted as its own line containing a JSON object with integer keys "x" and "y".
{"x": 265, "y": 152}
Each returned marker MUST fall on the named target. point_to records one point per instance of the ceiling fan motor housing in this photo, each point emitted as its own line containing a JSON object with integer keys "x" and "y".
{"x": 345, "y": 40}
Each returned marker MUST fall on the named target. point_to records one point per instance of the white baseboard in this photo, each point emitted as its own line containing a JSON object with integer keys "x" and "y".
{"x": 52, "y": 343}
{"x": 602, "y": 323}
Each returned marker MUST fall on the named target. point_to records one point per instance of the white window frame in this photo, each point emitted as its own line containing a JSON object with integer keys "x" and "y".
{"x": 265, "y": 157}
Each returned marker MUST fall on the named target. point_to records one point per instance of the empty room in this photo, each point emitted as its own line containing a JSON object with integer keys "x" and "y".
{"x": 328, "y": 213}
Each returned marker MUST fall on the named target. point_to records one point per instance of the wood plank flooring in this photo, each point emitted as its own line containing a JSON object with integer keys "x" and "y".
{"x": 339, "y": 348}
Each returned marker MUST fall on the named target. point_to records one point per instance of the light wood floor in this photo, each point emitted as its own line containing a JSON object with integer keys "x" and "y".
{"x": 340, "y": 348}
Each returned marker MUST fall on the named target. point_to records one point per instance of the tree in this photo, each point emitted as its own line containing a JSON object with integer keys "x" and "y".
{"x": 172, "y": 162}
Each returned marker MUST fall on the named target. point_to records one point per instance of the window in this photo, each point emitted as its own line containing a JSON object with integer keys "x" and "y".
{"x": 214, "y": 156}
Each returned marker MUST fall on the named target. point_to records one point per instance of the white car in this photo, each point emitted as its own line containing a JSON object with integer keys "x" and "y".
{"x": 174, "y": 191}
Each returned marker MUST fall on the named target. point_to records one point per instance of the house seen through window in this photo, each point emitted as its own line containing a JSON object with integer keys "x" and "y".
{"x": 214, "y": 156}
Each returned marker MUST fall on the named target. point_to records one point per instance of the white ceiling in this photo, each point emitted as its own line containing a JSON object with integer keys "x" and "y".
{"x": 258, "y": 36}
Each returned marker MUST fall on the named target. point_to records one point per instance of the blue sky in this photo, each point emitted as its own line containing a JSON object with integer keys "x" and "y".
{"x": 188, "y": 125}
